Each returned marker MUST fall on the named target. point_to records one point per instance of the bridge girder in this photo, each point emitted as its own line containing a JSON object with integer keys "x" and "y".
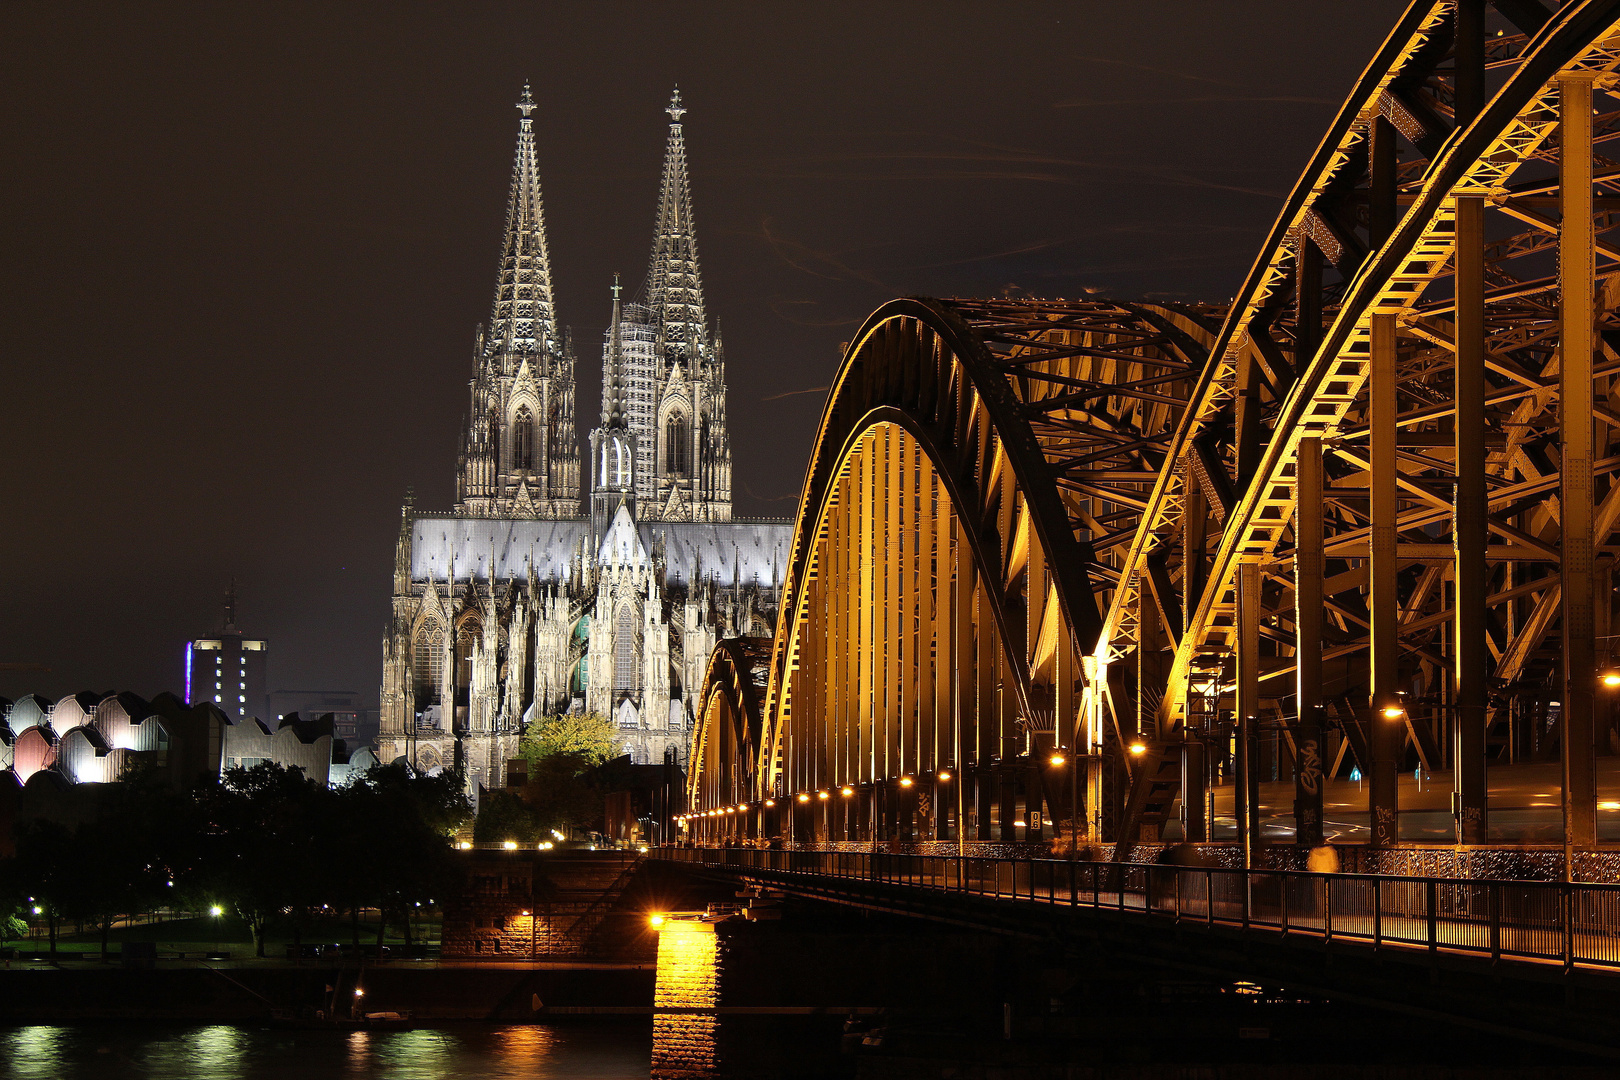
{"x": 1107, "y": 496}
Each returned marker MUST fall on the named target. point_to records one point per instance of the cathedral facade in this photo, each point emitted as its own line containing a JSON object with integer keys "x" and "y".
{"x": 549, "y": 588}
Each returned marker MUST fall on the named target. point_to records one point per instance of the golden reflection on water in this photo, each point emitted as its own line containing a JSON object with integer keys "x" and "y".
{"x": 520, "y": 1046}
{"x": 686, "y": 1044}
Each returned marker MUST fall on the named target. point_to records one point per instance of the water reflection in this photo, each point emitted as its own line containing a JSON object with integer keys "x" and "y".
{"x": 423, "y": 1054}
{"x": 605, "y": 1050}
{"x": 34, "y": 1052}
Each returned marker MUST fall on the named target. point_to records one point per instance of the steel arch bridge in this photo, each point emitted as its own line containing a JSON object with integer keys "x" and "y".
{"x": 1082, "y": 565}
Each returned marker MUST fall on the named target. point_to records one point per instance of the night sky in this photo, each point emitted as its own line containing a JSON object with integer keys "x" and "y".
{"x": 244, "y": 249}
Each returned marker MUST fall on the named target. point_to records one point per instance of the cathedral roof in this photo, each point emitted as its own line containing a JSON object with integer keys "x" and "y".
{"x": 472, "y": 545}
{"x": 621, "y": 544}
{"x": 724, "y": 552}
{"x": 737, "y": 552}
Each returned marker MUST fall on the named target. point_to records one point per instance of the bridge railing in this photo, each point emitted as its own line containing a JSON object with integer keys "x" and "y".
{"x": 1542, "y": 921}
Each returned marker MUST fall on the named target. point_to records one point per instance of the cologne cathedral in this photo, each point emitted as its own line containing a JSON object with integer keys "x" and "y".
{"x": 521, "y": 603}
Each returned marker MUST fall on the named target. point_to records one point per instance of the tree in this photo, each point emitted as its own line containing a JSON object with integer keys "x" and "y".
{"x": 503, "y": 815}
{"x": 561, "y": 795}
{"x": 39, "y": 871}
{"x": 583, "y": 735}
{"x": 395, "y": 854}
{"x": 262, "y": 847}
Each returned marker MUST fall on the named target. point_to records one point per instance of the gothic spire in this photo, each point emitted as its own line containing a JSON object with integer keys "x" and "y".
{"x": 674, "y": 289}
{"x": 523, "y": 318}
{"x": 615, "y": 400}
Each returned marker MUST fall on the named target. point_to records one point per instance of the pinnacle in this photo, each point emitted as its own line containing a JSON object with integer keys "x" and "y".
{"x": 526, "y": 102}
{"x": 676, "y": 110}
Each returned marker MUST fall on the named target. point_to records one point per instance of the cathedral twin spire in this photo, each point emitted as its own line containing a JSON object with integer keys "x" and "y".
{"x": 662, "y": 380}
{"x": 523, "y": 317}
{"x": 674, "y": 289}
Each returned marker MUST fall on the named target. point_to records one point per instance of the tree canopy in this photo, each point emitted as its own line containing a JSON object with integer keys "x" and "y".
{"x": 588, "y": 736}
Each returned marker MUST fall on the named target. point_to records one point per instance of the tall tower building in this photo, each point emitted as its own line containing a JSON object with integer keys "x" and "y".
{"x": 614, "y": 450}
{"x": 673, "y": 369}
{"x": 227, "y": 668}
{"x": 520, "y": 455}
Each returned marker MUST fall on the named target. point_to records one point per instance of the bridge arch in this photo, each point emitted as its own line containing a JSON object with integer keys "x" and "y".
{"x": 726, "y": 736}
{"x": 951, "y": 562}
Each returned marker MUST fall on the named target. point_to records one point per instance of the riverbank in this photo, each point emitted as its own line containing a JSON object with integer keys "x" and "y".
{"x": 206, "y": 993}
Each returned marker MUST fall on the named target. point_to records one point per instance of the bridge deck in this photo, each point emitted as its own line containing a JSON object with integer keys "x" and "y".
{"x": 1544, "y": 923}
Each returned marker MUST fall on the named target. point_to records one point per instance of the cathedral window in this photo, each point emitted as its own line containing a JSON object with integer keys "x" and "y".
{"x": 675, "y": 449}
{"x": 624, "y": 650}
{"x": 495, "y": 439}
{"x": 523, "y": 440}
{"x": 428, "y": 655}
{"x": 470, "y": 630}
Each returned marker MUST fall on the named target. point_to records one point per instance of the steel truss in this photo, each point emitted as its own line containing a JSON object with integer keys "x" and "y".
{"x": 1350, "y": 529}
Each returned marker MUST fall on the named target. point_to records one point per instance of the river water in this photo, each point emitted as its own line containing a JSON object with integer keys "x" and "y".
{"x": 614, "y": 1050}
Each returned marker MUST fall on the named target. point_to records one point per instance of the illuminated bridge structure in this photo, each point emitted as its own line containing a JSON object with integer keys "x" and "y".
{"x": 1101, "y": 573}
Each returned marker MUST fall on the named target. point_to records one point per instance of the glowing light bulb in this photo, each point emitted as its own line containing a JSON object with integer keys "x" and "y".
{"x": 803, "y": 797}
{"x": 846, "y": 791}
{"x": 906, "y": 781}
{"x": 1057, "y": 761}
{"x": 1138, "y": 748}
